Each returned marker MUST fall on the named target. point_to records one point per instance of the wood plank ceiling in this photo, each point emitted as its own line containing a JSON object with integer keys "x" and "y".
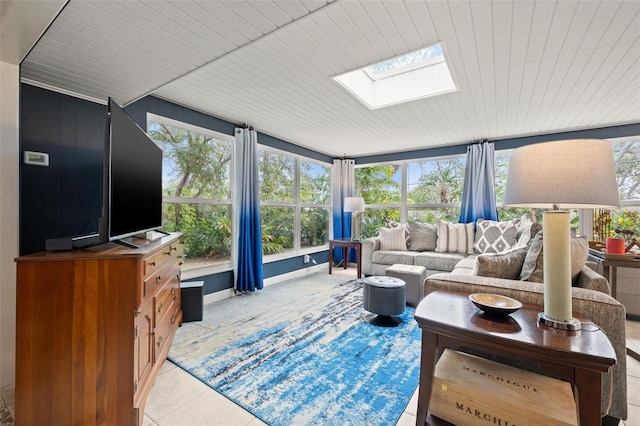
{"x": 521, "y": 67}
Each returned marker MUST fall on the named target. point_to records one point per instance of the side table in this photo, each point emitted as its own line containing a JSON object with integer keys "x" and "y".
{"x": 450, "y": 320}
{"x": 346, "y": 243}
{"x": 610, "y": 272}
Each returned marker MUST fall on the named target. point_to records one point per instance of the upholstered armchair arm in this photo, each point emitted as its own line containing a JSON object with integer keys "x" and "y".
{"x": 369, "y": 245}
{"x": 591, "y": 280}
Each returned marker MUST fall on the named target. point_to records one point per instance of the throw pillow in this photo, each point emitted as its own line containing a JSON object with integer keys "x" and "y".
{"x": 454, "y": 237}
{"x": 501, "y": 265}
{"x": 494, "y": 237}
{"x": 422, "y": 236}
{"x": 388, "y": 223}
{"x": 533, "y": 266}
{"x": 393, "y": 238}
{"x": 524, "y": 232}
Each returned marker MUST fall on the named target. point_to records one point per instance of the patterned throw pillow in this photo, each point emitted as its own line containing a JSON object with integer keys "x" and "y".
{"x": 501, "y": 265}
{"x": 495, "y": 237}
{"x": 393, "y": 238}
{"x": 422, "y": 236}
{"x": 455, "y": 237}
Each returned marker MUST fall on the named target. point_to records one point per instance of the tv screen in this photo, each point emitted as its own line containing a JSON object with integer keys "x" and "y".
{"x": 133, "y": 178}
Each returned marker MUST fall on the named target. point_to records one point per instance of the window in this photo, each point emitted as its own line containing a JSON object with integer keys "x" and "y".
{"x": 414, "y": 75}
{"x": 434, "y": 189}
{"x": 626, "y": 155}
{"x": 315, "y": 194}
{"x": 423, "y": 191}
{"x": 380, "y": 186}
{"x": 197, "y": 189}
{"x": 295, "y": 200}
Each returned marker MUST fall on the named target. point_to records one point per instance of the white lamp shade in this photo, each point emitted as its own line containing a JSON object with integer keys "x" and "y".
{"x": 354, "y": 204}
{"x": 577, "y": 173}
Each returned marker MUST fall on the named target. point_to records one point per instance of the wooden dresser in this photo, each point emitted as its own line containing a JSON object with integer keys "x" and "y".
{"x": 93, "y": 327}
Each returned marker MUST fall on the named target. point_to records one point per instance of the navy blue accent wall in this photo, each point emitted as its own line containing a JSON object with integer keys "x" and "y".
{"x": 65, "y": 198}
{"x": 502, "y": 144}
{"x": 280, "y": 267}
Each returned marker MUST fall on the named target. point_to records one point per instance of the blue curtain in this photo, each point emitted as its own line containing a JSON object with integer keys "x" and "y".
{"x": 479, "y": 191}
{"x": 248, "y": 272}
{"x": 343, "y": 180}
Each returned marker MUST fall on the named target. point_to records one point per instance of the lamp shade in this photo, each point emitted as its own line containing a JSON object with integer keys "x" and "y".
{"x": 354, "y": 204}
{"x": 576, "y": 173}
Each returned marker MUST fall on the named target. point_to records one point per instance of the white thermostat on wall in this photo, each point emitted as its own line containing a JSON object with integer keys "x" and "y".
{"x": 36, "y": 158}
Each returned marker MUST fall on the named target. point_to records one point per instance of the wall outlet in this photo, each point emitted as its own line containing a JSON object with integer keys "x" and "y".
{"x": 307, "y": 258}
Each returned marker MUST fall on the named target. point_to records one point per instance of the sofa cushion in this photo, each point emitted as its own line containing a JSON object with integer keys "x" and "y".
{"x": 438, "y": 261}
{"x": 393, "y": 238}
{"x": 455, "y": 237}
{"x": 501, "y": 265}
{"x": 422, "y": 236}
{"x": 391, "y": 257}
{"x": 495, "y": 237}
{"x": 533, "y": 266}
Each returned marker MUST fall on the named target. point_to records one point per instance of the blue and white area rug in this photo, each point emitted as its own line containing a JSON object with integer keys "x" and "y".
{"x": 301, "y": 353}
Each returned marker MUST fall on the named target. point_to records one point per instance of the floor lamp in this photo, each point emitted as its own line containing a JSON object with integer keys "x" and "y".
{"x": 578, "y": 173}
{"x": 354, "y": 205}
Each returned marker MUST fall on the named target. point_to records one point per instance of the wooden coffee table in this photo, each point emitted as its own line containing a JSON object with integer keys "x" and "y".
{"x": 450, "y": 320}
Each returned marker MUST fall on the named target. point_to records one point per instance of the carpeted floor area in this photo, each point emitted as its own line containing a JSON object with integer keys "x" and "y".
{"x": 300, "y": 352}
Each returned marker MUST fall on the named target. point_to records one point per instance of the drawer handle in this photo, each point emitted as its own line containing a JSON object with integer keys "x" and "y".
{"x": 160, "y": 307}
{"x": 173, "y": 248}
{"x": 173, "y": 319}
{"x": 159, "y": 341}
{"x": 173, "y": 291}
{"x": 159, "y": 277}
{"x": 153, "y": 263}
{"x": 168, "y": 253}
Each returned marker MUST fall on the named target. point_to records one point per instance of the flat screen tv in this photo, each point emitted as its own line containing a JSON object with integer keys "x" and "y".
{"x": 132, "y": 182}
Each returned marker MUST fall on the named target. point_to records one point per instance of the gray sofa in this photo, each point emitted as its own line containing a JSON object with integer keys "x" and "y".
{"x": 591, "y": 295}
{"x": 376, "y": 261}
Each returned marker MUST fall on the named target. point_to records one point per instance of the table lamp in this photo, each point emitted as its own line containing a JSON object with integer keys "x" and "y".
{"x": 354, "y": 205}
{"x": 578, "y": 173}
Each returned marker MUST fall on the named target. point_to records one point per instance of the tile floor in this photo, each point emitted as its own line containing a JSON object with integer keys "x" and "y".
{"x": 179, "y": 399}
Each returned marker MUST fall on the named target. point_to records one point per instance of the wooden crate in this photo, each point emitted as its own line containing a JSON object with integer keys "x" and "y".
{"x": 468, "y": 390}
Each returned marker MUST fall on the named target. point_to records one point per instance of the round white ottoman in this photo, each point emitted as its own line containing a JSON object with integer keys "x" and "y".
{"x": 413, "y": 276}
{"x": 385, "y": 298}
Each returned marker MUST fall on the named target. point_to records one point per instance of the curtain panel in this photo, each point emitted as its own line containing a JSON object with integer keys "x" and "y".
{"x": 343, "y": 181}
{"x": 248, "y": 273}
{"x": 479, "y": 191}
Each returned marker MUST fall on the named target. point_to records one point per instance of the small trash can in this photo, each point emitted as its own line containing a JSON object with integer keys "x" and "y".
{"x": 192, "y": 300}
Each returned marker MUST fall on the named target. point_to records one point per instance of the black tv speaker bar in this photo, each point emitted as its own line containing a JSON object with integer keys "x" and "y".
{"x": 70, "y": 243}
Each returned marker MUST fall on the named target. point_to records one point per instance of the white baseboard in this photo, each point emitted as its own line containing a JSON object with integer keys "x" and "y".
{"x": 228, "y": 292}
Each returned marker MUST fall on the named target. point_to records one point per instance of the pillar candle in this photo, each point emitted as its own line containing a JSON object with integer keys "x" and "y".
{"x": 615, "y": 245}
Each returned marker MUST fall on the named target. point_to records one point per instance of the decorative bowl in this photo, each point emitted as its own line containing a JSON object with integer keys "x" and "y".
{"x": 495, "y": 303}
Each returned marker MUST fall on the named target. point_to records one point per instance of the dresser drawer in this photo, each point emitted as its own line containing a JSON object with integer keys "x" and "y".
{"x": 156, "y": 260}
{"x": 159, "y": 278}
{"x": 166, "y": 298}
{"x": 165, "y": 330}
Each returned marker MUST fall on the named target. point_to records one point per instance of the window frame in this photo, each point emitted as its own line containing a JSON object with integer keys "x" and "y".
{"x": 229, "y": 203}
{"x": 403, "y": 205}
{"x": 298, "y": 205}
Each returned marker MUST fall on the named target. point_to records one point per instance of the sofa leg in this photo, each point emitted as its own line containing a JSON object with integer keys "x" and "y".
{"x": 610, "y": 421}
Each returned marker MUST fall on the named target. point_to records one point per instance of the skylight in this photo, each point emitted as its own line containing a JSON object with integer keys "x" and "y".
{"x": 414, "y": 75}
